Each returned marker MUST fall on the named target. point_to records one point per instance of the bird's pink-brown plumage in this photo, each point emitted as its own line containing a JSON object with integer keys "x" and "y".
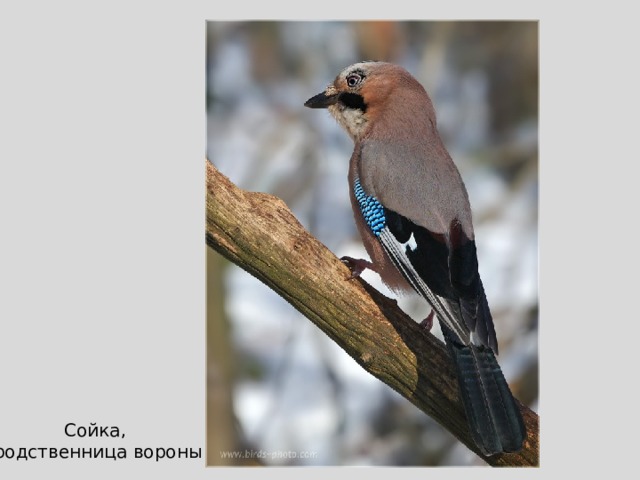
{"x": 405, "y": 159}
{"x": 413, "y": 214}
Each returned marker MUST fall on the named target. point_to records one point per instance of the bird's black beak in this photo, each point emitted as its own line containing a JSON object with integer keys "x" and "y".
{"x": 322, "y": 100}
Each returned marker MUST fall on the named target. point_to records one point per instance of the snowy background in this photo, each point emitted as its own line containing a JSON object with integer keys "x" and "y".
{"x": 279, "y": 391}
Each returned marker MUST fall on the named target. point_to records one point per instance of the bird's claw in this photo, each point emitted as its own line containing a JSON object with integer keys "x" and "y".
{"x": 356, "y": 265}
{"x": 427, "y": 323}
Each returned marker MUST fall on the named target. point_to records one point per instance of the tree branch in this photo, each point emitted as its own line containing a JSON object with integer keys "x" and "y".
{"x": 258, "y": 232}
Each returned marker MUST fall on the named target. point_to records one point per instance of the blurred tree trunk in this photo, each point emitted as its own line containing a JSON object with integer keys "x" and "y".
{"x": 221, "y": 432}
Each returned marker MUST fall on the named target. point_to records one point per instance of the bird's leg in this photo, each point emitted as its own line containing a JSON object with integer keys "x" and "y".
{"x": 427, "y": 323}
{"x": 357, "y": 266}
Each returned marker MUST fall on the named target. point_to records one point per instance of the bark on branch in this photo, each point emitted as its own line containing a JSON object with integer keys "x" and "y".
{"x": 259, "y": 233}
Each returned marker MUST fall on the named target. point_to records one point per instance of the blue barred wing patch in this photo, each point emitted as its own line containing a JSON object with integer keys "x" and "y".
{"x": 372, "y": 210}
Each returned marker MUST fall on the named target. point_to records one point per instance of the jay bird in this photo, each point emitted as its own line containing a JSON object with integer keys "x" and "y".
{"x": 412, "y": 211}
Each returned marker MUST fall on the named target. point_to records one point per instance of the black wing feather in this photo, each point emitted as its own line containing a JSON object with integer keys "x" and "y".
{"x": 448, "y": 264}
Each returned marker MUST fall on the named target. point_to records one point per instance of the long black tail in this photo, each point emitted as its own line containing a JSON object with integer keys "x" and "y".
{"x": 494, "y": 418}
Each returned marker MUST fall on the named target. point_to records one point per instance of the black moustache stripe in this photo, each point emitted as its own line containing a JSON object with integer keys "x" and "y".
{"x": 354, "y": 101}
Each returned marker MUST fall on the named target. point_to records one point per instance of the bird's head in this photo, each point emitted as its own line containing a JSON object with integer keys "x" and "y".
{"x": 369, "y": 93}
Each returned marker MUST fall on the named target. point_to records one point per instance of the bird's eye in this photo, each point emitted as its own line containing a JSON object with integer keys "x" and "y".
{"x": 353, "y": 79}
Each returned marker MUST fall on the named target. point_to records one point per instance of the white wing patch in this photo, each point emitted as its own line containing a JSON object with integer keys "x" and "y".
{"x": 411, "y": 243}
